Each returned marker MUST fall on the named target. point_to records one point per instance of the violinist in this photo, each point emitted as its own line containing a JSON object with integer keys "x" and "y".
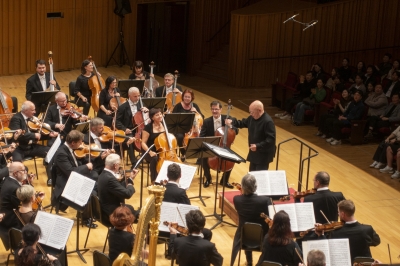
{"x": 194, "y": 248}
{"x": 315, "y": 257}
{"x": 168, "y": 87}
{"x": 27, "y": 142}
{"x": 174, "y": 193}
{"x": 39, "y": 81}
{"x": 261, "y": 136}
{"x": 138, "y": 72}
{"x": 57, "y": 120}
{"x": 82, "y": 90}
{"x": 126, "y": 112}
{"x": 361, "y": 236}
{"x": 324, "y": 199}
{"x": 186, "y": 106}
{"x": 106, "y": 94}
{"x": 208, "y": 129}
{"x": 112, "y": 192}
{"x": 249, "y": 206}
{"x": 150, "y": 132}
{"x": 26, "y": 194}
{"x": 8, "y": 196}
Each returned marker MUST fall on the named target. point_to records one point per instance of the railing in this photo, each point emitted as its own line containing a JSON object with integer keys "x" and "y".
{"x": 301, "y": 161}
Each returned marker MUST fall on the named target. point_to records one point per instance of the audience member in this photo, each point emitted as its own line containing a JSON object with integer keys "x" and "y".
{"x": 329, "y": 83}
{"x": 377, "y": 104}
{"x": 392, "y": 147}
{"x": 317, "y": 95}
{"x": 380, "y": 153}
{"x": 393, "y": 86}
{"x": 360, "y": 71}
{"x": 370, "y": 88}
{"x": 358, "y": 85}
{"x": 395, "y": 67}
{"x": 318, "y": 72}
{"x": 345, "y": 71}
{"x": 384, "y": 67}
{"x": 371, "y": 75}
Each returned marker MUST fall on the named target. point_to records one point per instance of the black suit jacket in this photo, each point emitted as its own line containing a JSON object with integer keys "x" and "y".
{"x": 207, "y": 130}
{"x": 124, "y": 116}
{"x": 8, "y": 202}
{"x": 18, "y": 122}
{"x": 33, "y": 84}
{"x": 195, "y": 251}
{"x": 175, "y": 194}
{"x": 98, "y": 162}
{"x": 112, "y": 192}
{"x": 326, "y": 201}
{"x": 52, "y": 118}
{"x": 361, "y": 237}
{"x": 160, "y": 90}
{"x": 396, "y": 88}
{"x": 65, "y": 164}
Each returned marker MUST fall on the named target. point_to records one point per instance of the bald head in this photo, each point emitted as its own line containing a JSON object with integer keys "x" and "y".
{"x": 256, "y": 109}
{"x": 17, "y": 170}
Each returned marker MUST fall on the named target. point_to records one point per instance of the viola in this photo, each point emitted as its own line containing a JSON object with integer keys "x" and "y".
{"x": 181, "y": 229}
{"x": 166, "y": 146}
{"x": 299, "y": 194}
{"x": 35, "y": 124}
{"x": 72, "y": 111}
{"x": 96, "y": 84}
{"x": 328, "y": 227}
{"x": 268, "y": 220}
{"x": 173, "y": 98}
{"x": 6, "y": 106}
{"x": 140, "y": 120}
{"x": 228, "y": 136}
{"x": 84, "y": 150}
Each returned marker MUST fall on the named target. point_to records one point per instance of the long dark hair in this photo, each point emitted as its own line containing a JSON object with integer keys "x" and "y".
{"x": 30, "y": 235}
{"x": 280, "y": 233}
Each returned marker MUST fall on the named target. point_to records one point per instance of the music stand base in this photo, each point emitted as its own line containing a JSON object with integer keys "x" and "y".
{"x": 201, "y": 199}
{"x": 220, "y": 219}
{"x": 78, "y": 251}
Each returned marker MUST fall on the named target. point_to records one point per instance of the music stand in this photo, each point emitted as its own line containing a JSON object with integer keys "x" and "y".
{"x": 196, "y": 149}
{"x": 82, "y": 127}
{"x": 42, "y": 98}
{"x": 79, "y": 210}
{"x": 179, "y": 123}
{"x": 158, "y": 102}
{"x": 125, "y": 84}
{"x": 227, "y": 155}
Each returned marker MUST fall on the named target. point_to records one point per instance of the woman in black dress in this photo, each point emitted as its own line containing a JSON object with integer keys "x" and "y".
{"x": 26, "y": 194}
{"x": 82, "y": 91}
{"x": 106, "y": 94}
{"x": 29, "y": 255}
{"x": 149, "y": 134}
{"x": 138, "y": 72}
{"x": 278, "y": 245}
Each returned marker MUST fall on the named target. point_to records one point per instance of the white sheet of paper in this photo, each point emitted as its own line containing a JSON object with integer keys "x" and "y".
{"x": 289, "y": 209}
{"x": 53, "y": 149}
{"x": 305, "y": 216}
{"x": 168, "y": 213}
{"x": 270, "y": 183}
{"x": 339, "y": 250}
{"x": 182, "y": 210}
{"x": 188, "y": 172}
{"x": 78, "y": 188}
{"x": 322, "y": 245}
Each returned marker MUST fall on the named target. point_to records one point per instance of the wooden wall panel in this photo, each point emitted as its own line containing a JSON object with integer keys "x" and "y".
{"x": 362, "y": 30}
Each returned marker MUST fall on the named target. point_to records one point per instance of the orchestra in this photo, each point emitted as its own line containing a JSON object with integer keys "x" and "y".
{"x": 123, "y": 125}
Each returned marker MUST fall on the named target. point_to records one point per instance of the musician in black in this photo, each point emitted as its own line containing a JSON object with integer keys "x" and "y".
{"x": 168, "y": 87}
{"x": 82, "y": 91}
{"x": 138, "y": 72}
{"x": 109, "y": 92}
{"x": 39, "y": 81}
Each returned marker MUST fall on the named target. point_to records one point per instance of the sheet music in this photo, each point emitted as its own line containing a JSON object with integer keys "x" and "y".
{"x": 322, "y": 245}
{"x": 337, "y": 251}
{"x": 55, "y": 229}
{"x": 183, "y": 209}
{"x": 277, "y": 182}
{"x": 188, "y": 172}
{"x": 169, "y": 213}
{"x": 263, "y": 187}
{"x": 301, "y": 215}
{"x": 78, "y": 188}
{"x": 53, "y": 149}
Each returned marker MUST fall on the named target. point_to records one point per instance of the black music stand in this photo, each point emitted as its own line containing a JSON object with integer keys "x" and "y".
{"x": 79, "y": 209}
{"x": 82, "y": 127}
{"x": 196, "y": 149}
{"x": 158, "y": 102}
{"x": 141, "y": 174}
{"x": 125, "y": 84}
{"x": 227, "y": 155}
{"x": 42, "y": 98}
{"x": 179, "y": 123}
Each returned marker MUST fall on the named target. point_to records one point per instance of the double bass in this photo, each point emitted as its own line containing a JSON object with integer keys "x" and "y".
{"x": 173, "y": 98}
{"x": 151, "y": 84}
{"x": 6, "y": 107}
{"x": 96, "y": 84}
{"x": 166, "y": 146}
{"x": 228, "y": 136}
{"x": 50, "y": 53}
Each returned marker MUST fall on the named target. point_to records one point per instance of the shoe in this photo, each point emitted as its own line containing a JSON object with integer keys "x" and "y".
{"x": 323, "y": 136}
{"x": 207, "y": 183}
{"x": 336, "y": 142}
{"x": 296, "y": 124}
{"x": 318, "y": 134}
{"x": 379, "y": 165}
{"x": 280, "y": 114}
{"x": 330, "y": 139}
{"x": 372, "y": 165}
{"x": 49, "y": 182}
{"x": 387, "y": 169}
{"x": 396, "y": 175}
{"x": 369, "y": 135}
{"x": 88, "y": 224}
{"x": 183, "y": 158}
{"x": 227, "y": 184}
{"x": 286, "y": 117}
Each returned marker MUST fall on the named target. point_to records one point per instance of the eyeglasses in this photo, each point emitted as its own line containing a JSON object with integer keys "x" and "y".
{"x": 21, "y": 171}
{"x": 215, "y": 109}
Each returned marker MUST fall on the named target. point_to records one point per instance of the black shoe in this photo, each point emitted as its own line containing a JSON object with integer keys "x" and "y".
{"x": 183, "y": 158}
{"x": 49, "y": 182}
{"x": 90, "y": 225}
{"x": 207, "y": 183}
{"x": 137, "y": 214}
{"x": 227, "y": 184}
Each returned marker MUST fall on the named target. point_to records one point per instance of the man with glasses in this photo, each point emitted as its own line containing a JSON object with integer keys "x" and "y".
{"x": 210, "y": 125}
{"x": 168, "y": 87}
{"x": 8, "y": 196}
{"x": 261, "y": 136}
{"x": 39, "y": 81}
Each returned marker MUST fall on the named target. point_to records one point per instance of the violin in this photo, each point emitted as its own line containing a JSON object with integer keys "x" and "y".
{"x": 181, "y": 229}
{"x": 37, "y": 203}
{"x": 4, "y": 148}
{"x": 228, "y": 135}
{"x": 166, "y": 146}
{"x": 268, "y": 220}
{"x": 328, "y": 227}
{"x": 72, "y": 111}
{"x": 173, "y": 98}
{"x": 6, "y": 133}
{"x": 299, "y": 194}
{"x": 151, "y": 84}
{"x": 108, "y": 134}
{"x": 96, "y": 84}
{"x": 84, "y": 150}
{"x": 6, "y": 106}
{"x": 35, "y": 124}
{"x": 140, "y": 120}
{"x": 238, "y": 186}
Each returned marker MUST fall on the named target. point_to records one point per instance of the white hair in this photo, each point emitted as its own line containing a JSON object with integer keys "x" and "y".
{"x": 112, "y": 159}
{"x": 133, "y": 89}
{"x": 26, "y": 105}
{"x": 59, "y": 94}
{"x": 96, "y": 121}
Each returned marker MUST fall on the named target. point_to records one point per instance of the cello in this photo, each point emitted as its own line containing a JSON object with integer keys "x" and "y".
{"x": 173, "y": 97}
{"x": 196, "y": 128}
{"x": 140, "y": 120}
{"x": 150, "y": 84}
{"x": 166, "y": 146}
{"x": 228, "y": 136}
{"x": 96, "y": 84}
{"x": 6, "y": 106}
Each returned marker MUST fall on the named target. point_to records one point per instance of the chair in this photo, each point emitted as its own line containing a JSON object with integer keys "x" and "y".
{"x": 314, "y": 114}
{"x": 71, "y": 88}
{"x": 15, "y": 238}
{"x": 29, "y": 158}
{"x": 251, "y": 238}
{"x": 270, "y": 263}
{"x": 356, "y": 130}
{"x": 98, "y": 215}
{"x": 15, "y": 104}
{"x": 279, "y": 90}
{"x": 100, "y": 259}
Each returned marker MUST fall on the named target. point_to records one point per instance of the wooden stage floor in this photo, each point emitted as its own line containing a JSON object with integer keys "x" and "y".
{"x": 376, "y": 196}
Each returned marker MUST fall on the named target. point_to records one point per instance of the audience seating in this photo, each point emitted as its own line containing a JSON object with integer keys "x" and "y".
{"x": 279, "y": 90}
{"x": 356, "y": 130}
{"x": 314, "y": 113}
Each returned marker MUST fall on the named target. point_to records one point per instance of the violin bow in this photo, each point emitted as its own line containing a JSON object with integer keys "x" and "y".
{"x": 90, "y": 140}
{"x": 114, "y": 126}
{"x": 44, "y": 117}
{"x": 180, "y": 215}
{"x": 273, "y": 205}
{"x": 323, "y": 214}
{"x": 5, "y": 141}
{"x": 298, "y": 254}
